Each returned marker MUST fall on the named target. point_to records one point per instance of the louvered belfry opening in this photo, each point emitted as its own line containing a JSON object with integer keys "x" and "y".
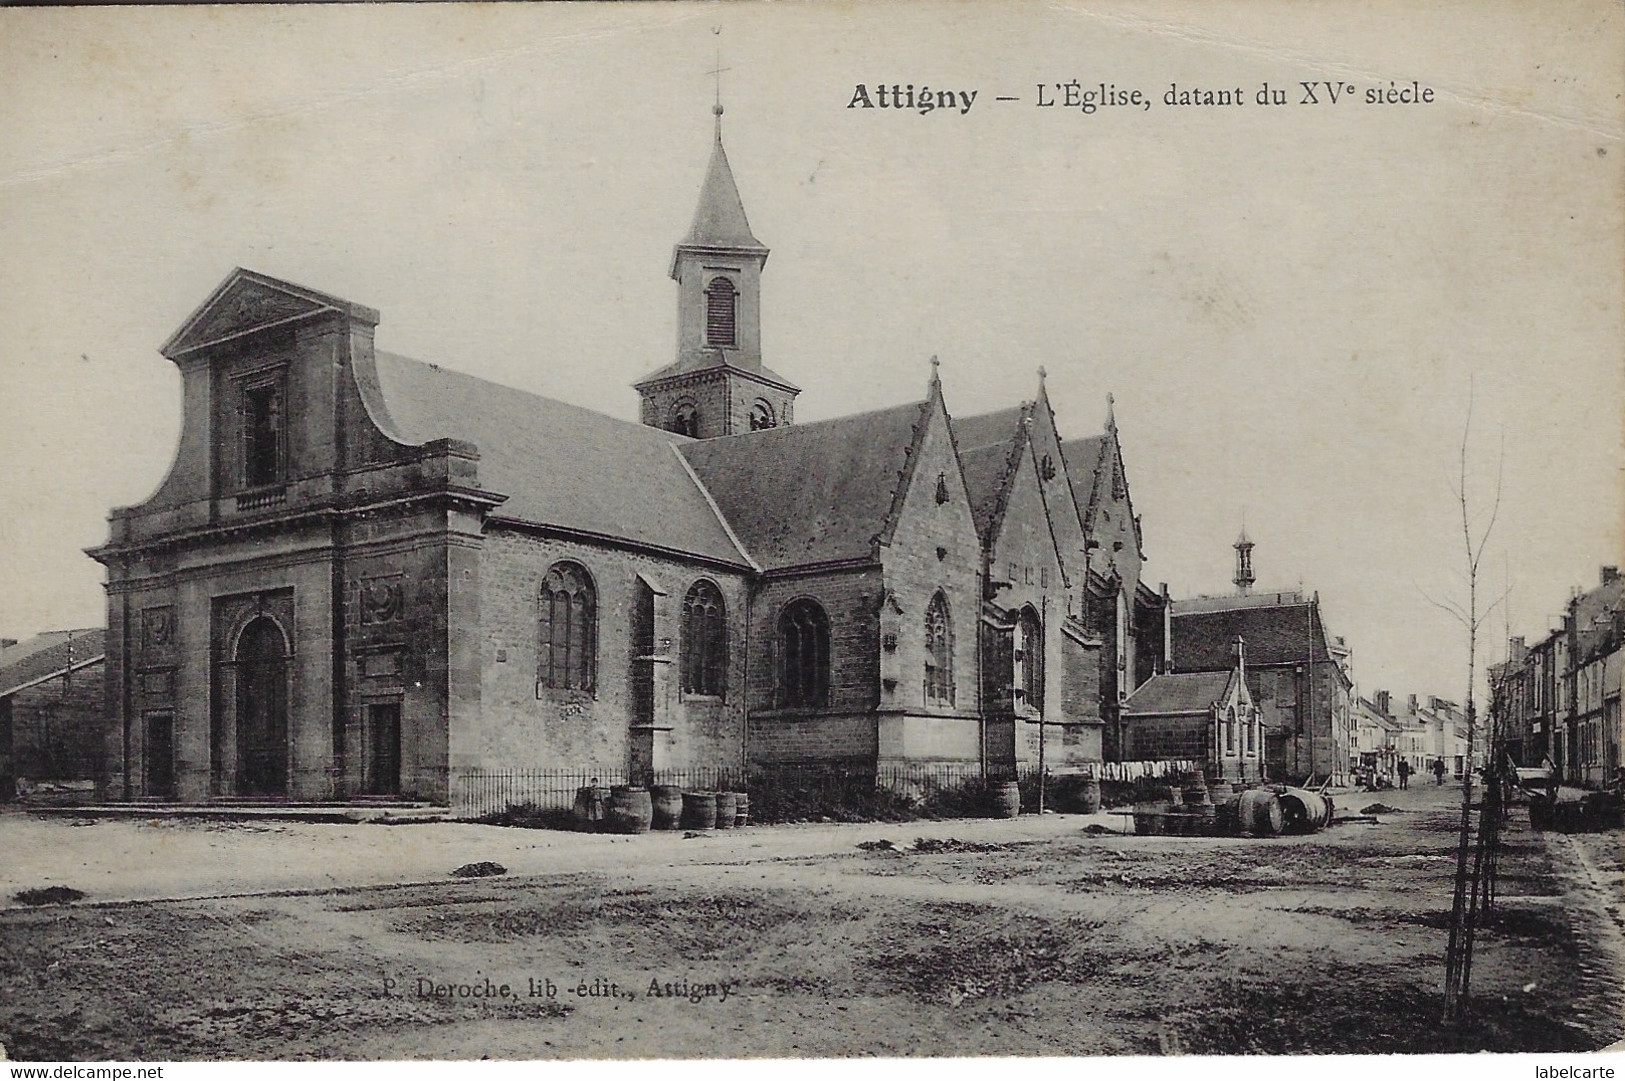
{"x": 721, "y": 299}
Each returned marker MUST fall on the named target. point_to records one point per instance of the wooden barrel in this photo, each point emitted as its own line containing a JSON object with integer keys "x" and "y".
{"x": 1195, "y": 793}
{"x": 742, "y": 809}
{"x": 1225, "y": 823}
{"x": 1089, "y": 796}
{"x": 1176, "y": 798}
{"x": 591, "y": 805}
{"x": 1006, "y": 799}
{"x": 1148, "y": 819}
{"x": 630, "y": 809}
{"x": 667, "y": 801}
{"x": 1220, "y": 791}
{"x": 727, "y": 809}
{"x": 1258, "y": 812}
{"x": 699, "y": 810}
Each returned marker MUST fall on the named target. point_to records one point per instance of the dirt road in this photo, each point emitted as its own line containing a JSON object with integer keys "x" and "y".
{"x": 1026, "y": 937}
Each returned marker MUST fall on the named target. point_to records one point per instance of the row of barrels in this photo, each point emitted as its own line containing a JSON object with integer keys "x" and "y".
{"x": 1219, "y": 809}
{"x": 636, "y": 809}
{"x": 1006, "y": 798}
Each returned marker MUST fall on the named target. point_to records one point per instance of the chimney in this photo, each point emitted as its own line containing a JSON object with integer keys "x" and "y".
{"x": 1412, "y": 702}
{"x": 1517, "y": 651}
{"x": 1609, "y": 574}
{"x": 1383, "y": 699}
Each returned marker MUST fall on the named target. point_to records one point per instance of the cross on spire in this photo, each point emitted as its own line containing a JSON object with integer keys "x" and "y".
{"x": 716, "y": 73}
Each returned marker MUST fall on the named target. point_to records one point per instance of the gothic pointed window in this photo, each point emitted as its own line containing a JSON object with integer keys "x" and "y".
{"x": 1031, "y": 652}
{"x": 262, "y": 434}
{"x": 939, "y": 653}
{"x": 761, "y": 416}
{"x": 568, "y": 620}
{"x": 685, "y": 419}
{"x": 705, "y": 640}
{"x": 721, "y": 299}
{"x": 803, "y": 655}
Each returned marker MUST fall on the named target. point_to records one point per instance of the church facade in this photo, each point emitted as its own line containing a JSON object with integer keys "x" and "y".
{"x": 365, "y": 575}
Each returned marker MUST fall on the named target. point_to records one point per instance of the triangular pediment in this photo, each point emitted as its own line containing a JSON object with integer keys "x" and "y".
{"x": 246, "y": 302}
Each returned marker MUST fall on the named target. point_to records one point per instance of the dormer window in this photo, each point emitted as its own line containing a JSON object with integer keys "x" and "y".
{"x": 262, "y": 434}
{"x": 721, "y": 298}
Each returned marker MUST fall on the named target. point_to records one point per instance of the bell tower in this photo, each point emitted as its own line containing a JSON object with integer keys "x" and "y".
{"x": 1244, "y": 562}
{"x": 718, "y": 384}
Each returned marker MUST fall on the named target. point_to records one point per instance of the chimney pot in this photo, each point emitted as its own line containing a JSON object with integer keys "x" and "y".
{"x": 1610, "y": 573}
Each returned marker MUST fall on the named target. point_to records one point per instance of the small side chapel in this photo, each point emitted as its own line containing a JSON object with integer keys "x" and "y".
{"x": 367, "y": 576}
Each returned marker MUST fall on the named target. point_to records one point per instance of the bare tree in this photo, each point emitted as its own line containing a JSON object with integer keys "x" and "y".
{"x": 1474, "y": 539}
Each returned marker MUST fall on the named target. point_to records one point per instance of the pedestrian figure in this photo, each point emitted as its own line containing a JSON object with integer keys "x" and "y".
{"x": 1404, "y": 773}
{"x": 1438, "y": 771}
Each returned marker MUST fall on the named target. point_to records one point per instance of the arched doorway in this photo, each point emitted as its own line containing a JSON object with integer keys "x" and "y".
{"x": 262, "y": 710}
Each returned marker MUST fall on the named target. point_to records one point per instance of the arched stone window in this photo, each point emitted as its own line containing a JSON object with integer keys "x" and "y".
{"x": 761, "y": 416}
{"x": 1230, "y": 730}
{"x": 705, "y": 640}
{"x": 685, "y": 418}
{"x": 939, "y": 653}
{"x": 1031, "y": 647}
{"x": 720, "y": 300}
{"x": 803, "y": 655}
{"x": 568, "y": 616}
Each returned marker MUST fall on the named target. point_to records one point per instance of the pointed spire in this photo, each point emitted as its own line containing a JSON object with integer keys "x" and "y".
{"x": 719, "y": 220}
{"x": 934, "y": 387}
{"x": 1111, "y": 412}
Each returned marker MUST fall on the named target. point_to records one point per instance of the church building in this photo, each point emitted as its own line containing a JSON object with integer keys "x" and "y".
{"x": 368, "y": 576}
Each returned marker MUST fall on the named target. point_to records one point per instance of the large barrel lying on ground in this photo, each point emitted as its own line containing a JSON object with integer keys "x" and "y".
{"x": 592, "y": 804}
{"x": 667, "y": 800}
{"x": 630, "y": 809}
{"x": 1006, "y": 799}
{"x": 1258, "y": 812}
{"x": 1304, "y": 811}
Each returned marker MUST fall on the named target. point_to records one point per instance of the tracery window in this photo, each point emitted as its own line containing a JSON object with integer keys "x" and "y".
{"x": 569, "y": 628}
{"x": 803, "y": 655}
{"x": 939, "y": 653}
{"x": 705, "y": 640}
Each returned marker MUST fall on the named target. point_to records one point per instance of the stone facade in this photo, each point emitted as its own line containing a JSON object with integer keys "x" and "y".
{"x": 350, "y": 585}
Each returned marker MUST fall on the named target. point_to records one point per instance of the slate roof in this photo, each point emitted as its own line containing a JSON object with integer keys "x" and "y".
{"x": 719, "y": 219}
{"x": 1594, "y": 621}
{"x": 1082, "y": 458}
{"x": 984, "y": 469}
{"x": 552, "y": 460}
{"x": 985, "y": 442}
{"x": 49, "y": 654}
{"x": 810, "y": 493}
{"x": 715, "y": 358}
{"x": 1274, "y": 634}
{"x": 1177, "y": 692}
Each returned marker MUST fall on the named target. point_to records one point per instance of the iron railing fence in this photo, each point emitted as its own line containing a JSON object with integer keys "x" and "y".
{"x": 479, "y": 792}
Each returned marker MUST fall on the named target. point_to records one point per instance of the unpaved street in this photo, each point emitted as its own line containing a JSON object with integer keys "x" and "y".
{"x": 1026, "y": 937}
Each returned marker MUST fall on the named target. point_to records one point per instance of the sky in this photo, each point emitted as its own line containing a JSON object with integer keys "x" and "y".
{"x": 1292, "y": 305}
